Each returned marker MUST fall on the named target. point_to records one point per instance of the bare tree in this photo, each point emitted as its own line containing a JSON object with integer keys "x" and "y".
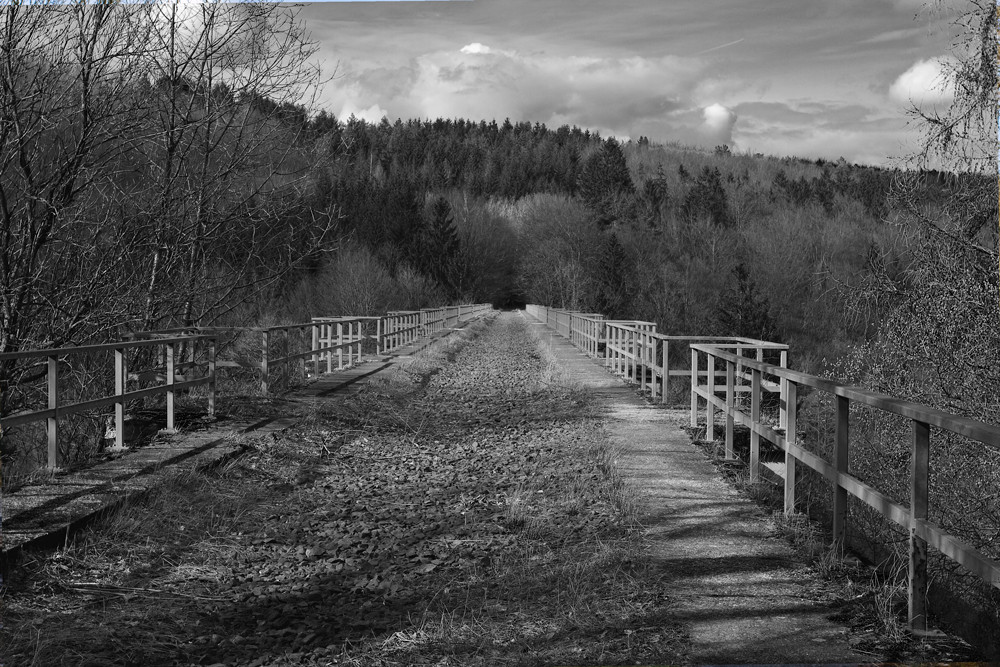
{"x": 66, "y": 99}
{"x": 222, "y": 156}
{"x": 151, "y": 165}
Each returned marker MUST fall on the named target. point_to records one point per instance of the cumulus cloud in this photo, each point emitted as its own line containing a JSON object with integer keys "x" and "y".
{"x": 718, "y": 124}
{"x": 620, "y": 96}
{"x": 372, "y": 114}
{"x": 925, "y": 83}
{"x": 476, "y": 47}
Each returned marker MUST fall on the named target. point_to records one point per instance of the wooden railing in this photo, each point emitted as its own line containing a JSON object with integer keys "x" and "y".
{"x": 184, "y": 358}
{"x": 913, "y": 519}
{"x": 636, "y": 352}
{"x": 57, "y": 407}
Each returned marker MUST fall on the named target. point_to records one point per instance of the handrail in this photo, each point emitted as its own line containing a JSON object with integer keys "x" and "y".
{"x": 103, "y": 347}
{"x": 965, "y": 426}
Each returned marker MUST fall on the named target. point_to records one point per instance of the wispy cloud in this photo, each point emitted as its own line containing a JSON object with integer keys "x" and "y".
{"x": 721, "y": 46}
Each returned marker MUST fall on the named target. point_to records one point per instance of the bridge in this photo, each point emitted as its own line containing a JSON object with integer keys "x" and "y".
{"x": 692, "y": 518}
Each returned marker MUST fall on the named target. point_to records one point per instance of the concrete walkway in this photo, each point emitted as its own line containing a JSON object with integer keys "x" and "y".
{"x": 744, "y": 595}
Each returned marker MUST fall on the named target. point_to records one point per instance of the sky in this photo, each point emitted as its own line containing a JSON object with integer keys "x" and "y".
{"x": 806, "y": 78}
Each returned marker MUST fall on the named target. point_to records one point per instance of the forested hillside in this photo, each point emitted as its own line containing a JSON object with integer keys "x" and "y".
{"x": 196, "y": 187}
{"x": 700, "y": 242}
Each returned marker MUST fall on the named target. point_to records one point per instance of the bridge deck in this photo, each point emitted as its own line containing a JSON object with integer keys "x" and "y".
{"x": 745, "y": 594}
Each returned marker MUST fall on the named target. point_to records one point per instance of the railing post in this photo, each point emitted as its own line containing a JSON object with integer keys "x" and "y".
{"x": 783, "y": 402}
{"x": 730, "y": 406}
{"x": 739, "y": 364}
{"x": 171, "y": 352}
{"x": 52, "y": 423}
{"x": 315, "y": 346}
{"x": 790, "y": 425}
{"x": 635, "y": 345}
{"x": 266, "y": 341}
{"x": 652, "y": 364}
{"x": 358, "y": 339}
{"x": 212, "y": 370}
{"x": 609, "y": 353}
{"x": 378, "y": 336}
{"x": 666, "y": 371}
{"x": 709, "y": 405}
{"x": 303, "y": 362}
{"x": 694, "y": 388}
{"x": 641, "y": 339}
{"x": 841, "y": 463}
{"x": 340, "y": 343}
{"x": 612, "y": 349}
{"x": 754, "y": 423}
{"x": 120, "y": 393}
{"x": 327, "y": 337}
{"x": 620, "y": 351}
{"x": 288, "y": 352}
{"x": 628, "y": 358}
{"x": 918, "y": 512}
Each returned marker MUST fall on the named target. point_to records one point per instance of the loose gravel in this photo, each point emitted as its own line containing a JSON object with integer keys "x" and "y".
{"x": 462, "y": 509}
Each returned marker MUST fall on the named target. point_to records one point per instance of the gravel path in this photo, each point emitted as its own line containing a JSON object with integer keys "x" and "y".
{"x": 461, "y": 509}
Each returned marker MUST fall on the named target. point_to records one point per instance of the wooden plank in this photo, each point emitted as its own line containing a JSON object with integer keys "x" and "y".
{"x": 969, "y": 557}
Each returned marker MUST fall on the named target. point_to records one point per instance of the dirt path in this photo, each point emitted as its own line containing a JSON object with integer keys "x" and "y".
{"x": 740, "y": 590}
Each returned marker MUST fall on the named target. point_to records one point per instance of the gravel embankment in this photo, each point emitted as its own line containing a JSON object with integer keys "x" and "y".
{"x": 459, "y": 510}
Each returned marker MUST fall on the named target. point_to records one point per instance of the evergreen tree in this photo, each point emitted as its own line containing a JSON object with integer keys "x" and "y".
{"x": 616, "y": 281}
{"x": 708, "y": 197}
{"x": 655, "y": 198}
{"x": 605, "y": 186}
{"x": 742, "y": 311}
{"x": 440, "y": 244}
